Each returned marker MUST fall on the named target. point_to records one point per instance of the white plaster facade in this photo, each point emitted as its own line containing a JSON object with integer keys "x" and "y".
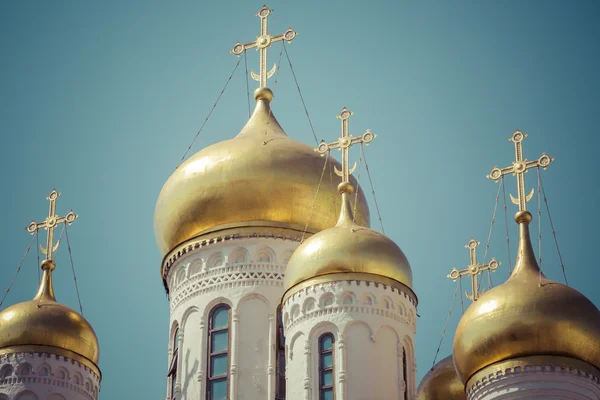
{"x": 247, "y": 275}
{"x": 46, "y": 376}
{"x": 535, "y": 381}
{"x": 372, "y": 323}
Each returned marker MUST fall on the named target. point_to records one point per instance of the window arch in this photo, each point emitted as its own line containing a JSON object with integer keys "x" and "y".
{"x": 326, "y": 368}
{"x": 280, "y": 358}
{"x": 405, "y": 372}
{"x": 6, "y": 372}
{"x": 217, "y": 386}
{"x": 172, "y": 375}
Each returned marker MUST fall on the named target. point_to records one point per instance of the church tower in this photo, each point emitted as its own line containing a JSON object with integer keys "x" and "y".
{"x": 47, "y": 350}
{"x": 349, "y": 309}
{"x": 529, "y": 338}
{"x": 227, "y": 221}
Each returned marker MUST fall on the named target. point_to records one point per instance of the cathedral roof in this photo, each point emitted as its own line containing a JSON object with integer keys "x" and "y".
{"x": 44, "y": 325}
{"x": 261, "y": 177}
{"x": 348, "y": 251}
{"x": 442, "y": 383}
{"x": 527, "y": 316}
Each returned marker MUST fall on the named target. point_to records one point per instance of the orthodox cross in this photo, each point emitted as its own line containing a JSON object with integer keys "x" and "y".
{"x": 519, "y": 168}
{"x": 261, "y": 43}
{"x": 473, "y": 270}
{"x": 344, "y": 143}
{"x": 52, "y": 220}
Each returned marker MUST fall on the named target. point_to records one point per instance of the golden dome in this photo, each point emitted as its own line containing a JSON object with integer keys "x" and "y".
{"x": 442, "y": 383}
{"x": 44, "y": 322}
{"x": 347, "y": 248}
{"x": 529, "y": 315}
{"x": 261, "y": 177}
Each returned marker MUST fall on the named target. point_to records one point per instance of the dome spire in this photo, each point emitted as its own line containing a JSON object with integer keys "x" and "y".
{"x": 526, "y": 257}
{"x": 262, "y": 43}
{"x": 46, "y": 291}
{"x": 344, "y": 143}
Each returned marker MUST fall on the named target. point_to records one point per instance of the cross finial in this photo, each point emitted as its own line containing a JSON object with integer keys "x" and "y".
{"x": 473, "y": 270}
{"x": 519, "y": 167}
{"x": 261, "y": 43}
{"x": 51, "y": 221}
{"x": 344, "y": 143}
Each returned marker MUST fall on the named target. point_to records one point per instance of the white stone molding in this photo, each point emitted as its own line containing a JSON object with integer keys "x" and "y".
{"x": 271, "y": 351}
{"x": 535, "y": 380}
{"x": 235, "y": 320}
{"x": 45, "y": 374}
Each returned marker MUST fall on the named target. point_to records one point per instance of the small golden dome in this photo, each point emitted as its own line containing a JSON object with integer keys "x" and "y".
{"x": 45, "y": 322}
{"x": 347, "y": 248}
{"x": 528, "y": 315}
{"x": 262, "y": 177}
{"x": 442, "y": 383}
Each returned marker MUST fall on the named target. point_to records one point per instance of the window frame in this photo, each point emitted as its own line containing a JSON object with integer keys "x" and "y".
{"x": 323, "y": 388}
{"x": 172, "y": 373}
{"x": 280, "y": 358}
{"x": 210, "y": 354}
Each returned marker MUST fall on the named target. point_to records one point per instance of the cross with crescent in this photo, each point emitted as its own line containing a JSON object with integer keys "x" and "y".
{"x": 261, "y": 43}
{"x": 519, "y": 168}
{"x": 344, "y": 143}
{"x": 474, "y": 270}
{"x": 52, "y": 220}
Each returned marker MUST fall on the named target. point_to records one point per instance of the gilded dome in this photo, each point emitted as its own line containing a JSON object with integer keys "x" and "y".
{"x": 441, "y": 383}
{"x": 260, "y": 177}
{"x": 45, "y": 322}
{"x": 529, "y": 315}
{"x": 347, "y": 248}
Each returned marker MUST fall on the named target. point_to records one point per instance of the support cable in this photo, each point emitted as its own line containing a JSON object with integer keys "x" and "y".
{"x": 372, "y": 188}
{"x": 539, "y": 212}
{"x": 210, "y": 113}
{"x": 506, "y": 226}
{"x": 462, "y": 300}
{"x": 247, "y": 83}
{"x": 562, "y": 265}
{"x": 301, "y": 98}
{"x": 487, "y": 246}
{"x": 360, "y": 160}
{"x": 18, "y": 269}
{"x": 37, "y": 246}
{"x": 446, "y": 325}
{"x": 315, "y": 199}
{"x": 73, "y": 269}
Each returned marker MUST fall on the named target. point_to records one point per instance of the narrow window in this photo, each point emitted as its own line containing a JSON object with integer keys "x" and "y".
{"x": 218, "y": 353}
{"x": 405, "y": 373}
{"x": 280, "y": 358}
{"x": 173, "y": 367}
{"x": 326, "y": 366}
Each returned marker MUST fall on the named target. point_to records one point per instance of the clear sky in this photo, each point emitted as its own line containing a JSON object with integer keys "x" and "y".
{"x": 101, "y": 100}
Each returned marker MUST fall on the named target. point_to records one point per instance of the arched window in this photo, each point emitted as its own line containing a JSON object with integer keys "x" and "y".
{"x": 326, "y": 342}
{"x": 173, "y": 367}
{"x": 217, "y": 386}
{"x": 405, "y": 373}
{"x": 280, "y": 358}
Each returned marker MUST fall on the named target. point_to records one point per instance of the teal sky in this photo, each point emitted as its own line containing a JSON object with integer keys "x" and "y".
{"x": 101, "y": 100}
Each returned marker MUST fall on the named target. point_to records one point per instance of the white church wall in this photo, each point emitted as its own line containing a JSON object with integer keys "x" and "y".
{"x": 535, "y": 381}
{"x": 245, "y": 274}
{"x": 45, "y": 376}
{"x": 371, "y": 323}
{"x": 254, "y": 349}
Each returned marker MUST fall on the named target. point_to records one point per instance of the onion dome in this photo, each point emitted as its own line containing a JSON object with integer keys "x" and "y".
{"x": 442, "y": 383}
{"x": 348, "y": 251}
{"x": 44, "y": 325}
{"x": 262, "y": 177}
{"x": 527, "y": 316}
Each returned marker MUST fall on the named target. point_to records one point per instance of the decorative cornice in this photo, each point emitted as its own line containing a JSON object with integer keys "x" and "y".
{"x": 531, "y": 365}
{"x": 47, "y": 351}
{"x": 227, "y": 276}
